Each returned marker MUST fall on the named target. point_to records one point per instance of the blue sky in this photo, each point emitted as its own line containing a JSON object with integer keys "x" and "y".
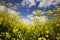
{"x": 27, "y": 7}
{"x": 24, "y": 9}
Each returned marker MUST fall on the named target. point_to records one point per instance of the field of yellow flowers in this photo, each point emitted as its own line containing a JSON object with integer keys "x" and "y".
{"x": 12, "y": 26}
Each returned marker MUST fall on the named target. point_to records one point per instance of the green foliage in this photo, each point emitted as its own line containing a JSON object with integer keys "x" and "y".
{"x": 12, "y": 27}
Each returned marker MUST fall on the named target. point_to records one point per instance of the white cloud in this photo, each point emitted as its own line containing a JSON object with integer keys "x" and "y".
{"x": 30, "y": 3}
{"x": 43, "y": 3}
{"x": 30, "y": 17}
{"x": 38, "y": 0}
{"x": 56, "y": 2}
{"x": 33, "y": 12}
{"x": 46, "y": 3}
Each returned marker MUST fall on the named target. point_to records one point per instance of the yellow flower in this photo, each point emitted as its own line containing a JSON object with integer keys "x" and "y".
{"x": 10, "y": 16}
{"x": 2, "y": 33}
{"x": 12, "y": 23}
{"x": 46, "y": 35}
{"x": 38, "y": 12}
{"x": 13, "y": 39}
{"x": 59, "y": 20}
{"x": 32, "y": 25}
{"x": 1, "y": 18}
{"x": 15, "y": 30}
{"x": 2, "y": 3}
{"x": 56, "y": 14}
{"x": 36, "y": 19}
{"x": 57, "y": 38}
{"x": 47, "y": 31}
{"x": 57, "y": 25}
{"x": 51, "y": 27}
{"x": 58, "y": 9}
{"x": 49, "y": 12}
{"x": 58, "y": 34}
{"x": 8, "y": 35}
{"x": 20, "y": 35}
{"x": 9, "y": 4}
{"x": 0, "y": 39}
{"x": 28, "y": 30}
{"x": 41, "y": 38}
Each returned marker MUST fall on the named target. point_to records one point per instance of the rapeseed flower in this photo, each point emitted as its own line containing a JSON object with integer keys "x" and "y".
{"x": 8, "y": 35}
{"x": 1, "y": 18}
{"x": 38, "y": 12}
{"x": 58, "y": 9}
{"x": 41, "y": 38}
{"x": 15, "y": 30}
{"x": 49, "y": 12}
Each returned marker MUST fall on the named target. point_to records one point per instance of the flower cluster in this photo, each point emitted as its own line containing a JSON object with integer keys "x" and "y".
{"x": 12, "y": 27}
